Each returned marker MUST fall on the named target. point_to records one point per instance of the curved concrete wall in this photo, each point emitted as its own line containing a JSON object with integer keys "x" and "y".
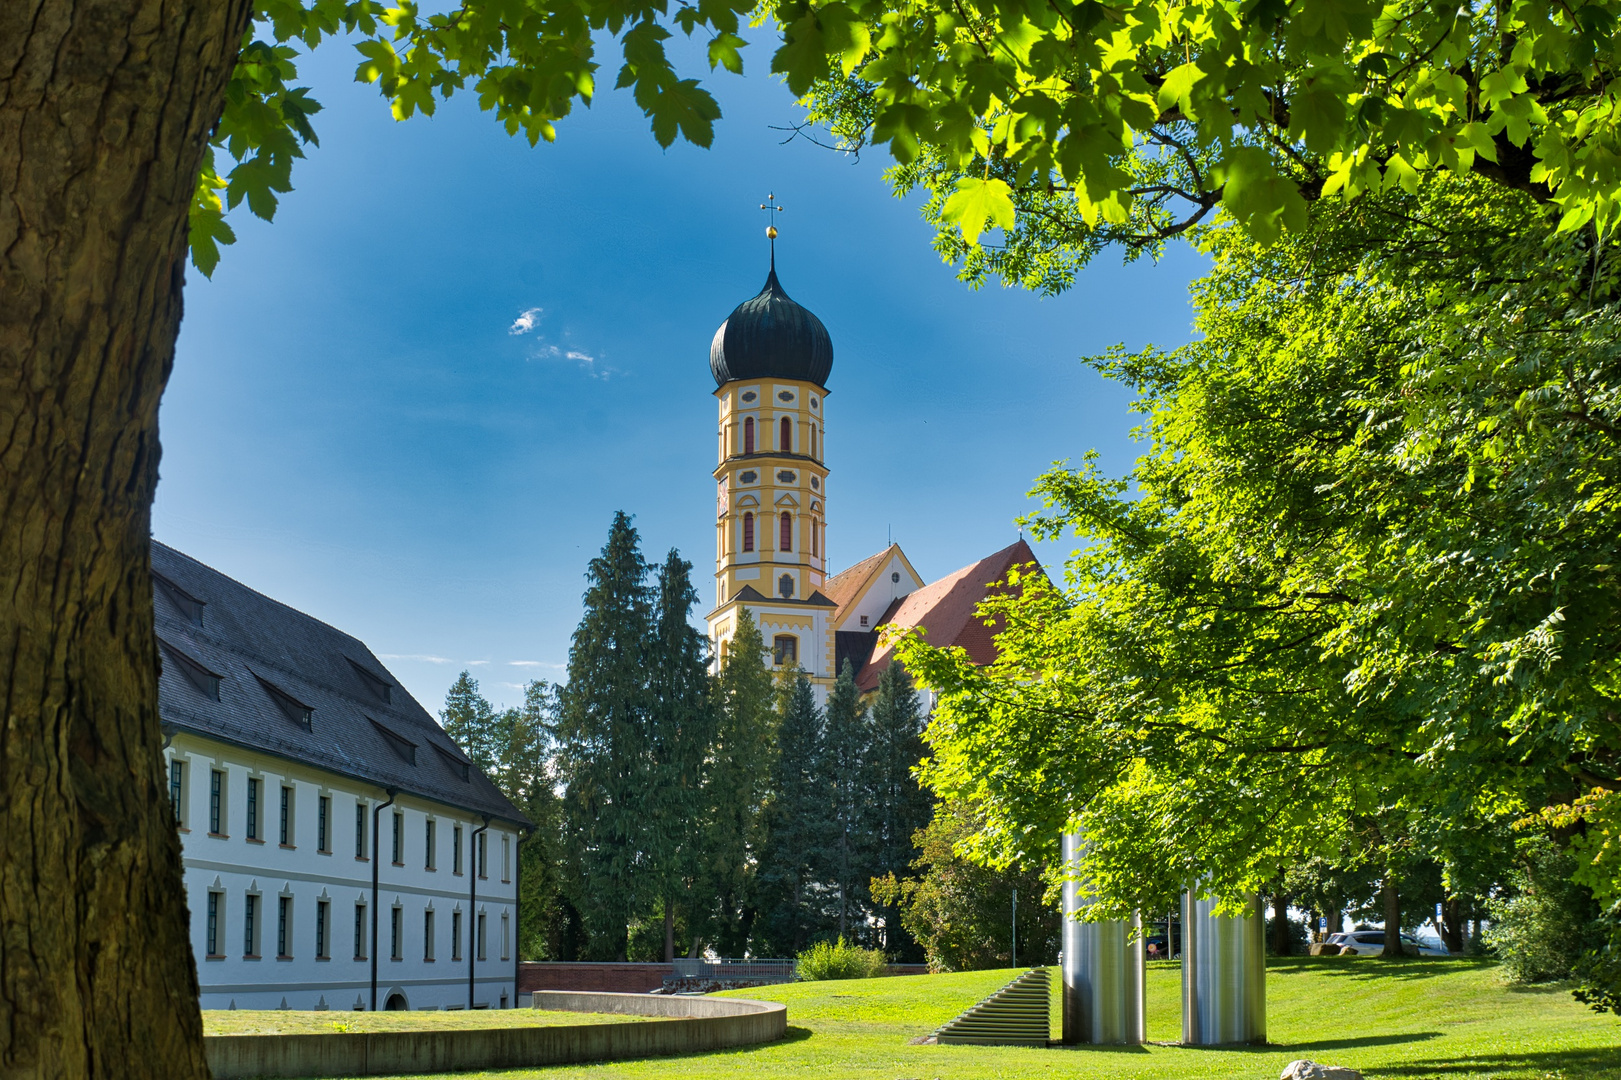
{"x": 687, "y": 1025}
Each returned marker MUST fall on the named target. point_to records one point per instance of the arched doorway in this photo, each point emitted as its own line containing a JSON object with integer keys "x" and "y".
{"x": 396, "y": 1002}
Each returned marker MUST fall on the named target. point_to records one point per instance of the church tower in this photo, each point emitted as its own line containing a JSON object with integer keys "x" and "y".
{"x": 771, "y": 359}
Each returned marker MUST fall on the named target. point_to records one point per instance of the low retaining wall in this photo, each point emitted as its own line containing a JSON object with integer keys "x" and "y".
{"x": 606, "y": 978}
{"x": 687, "y": 1025}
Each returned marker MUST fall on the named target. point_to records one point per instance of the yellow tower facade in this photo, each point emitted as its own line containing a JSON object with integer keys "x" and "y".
{"x": 770, "y": 360}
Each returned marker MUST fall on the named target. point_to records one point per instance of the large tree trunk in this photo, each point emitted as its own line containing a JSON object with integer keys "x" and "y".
{"x": 1452, "y": 925}
{"x": 1392, "y": 906}
{"x": 105, "y": 108}
{"x": 1280, "y": 924}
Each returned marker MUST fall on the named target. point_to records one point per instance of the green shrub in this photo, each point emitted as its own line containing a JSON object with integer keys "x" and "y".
{"x": 1541, "y": 931}
{"x": 837, "y": 960}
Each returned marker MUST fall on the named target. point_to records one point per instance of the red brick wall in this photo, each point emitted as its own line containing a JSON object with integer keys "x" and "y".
{"x": 603, "y": 978}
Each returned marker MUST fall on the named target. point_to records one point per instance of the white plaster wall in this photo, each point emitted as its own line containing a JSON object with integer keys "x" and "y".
{"x": 233, "y": 866}
{"x": 882, "y": 593}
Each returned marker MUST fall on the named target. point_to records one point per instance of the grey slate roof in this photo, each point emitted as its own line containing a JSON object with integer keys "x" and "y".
{"x": 271, "y": 659}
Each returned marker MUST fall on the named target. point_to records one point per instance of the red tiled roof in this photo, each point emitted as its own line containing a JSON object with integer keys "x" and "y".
{"x": 844, "y": 588}
{"x": 945, "y": 610}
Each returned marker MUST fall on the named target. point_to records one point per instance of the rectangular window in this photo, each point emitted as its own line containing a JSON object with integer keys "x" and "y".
{"x": 456, "y": 849}
{"x": 480, "y": 947}
{"x": 177, "y": 790}
{"x": 323, "y": 811}
{"x": 216, "y": 800}
{"x": 253, "y": 809}
{"x": 250, "y": 920}
{"x": 427, "y": 935}
{"x": 506, "y": 859}
{"x": 360, "y": 931}
{"x": 429, "y": 838}
{"x": 284, "y": 912}
{"x": 286, "y": 816}
{"x": 483, "y": 854}
{"x": 455, "y": 935}
{"x": 213, "y": 924}
{"x": 396, "y": 920}
{"x": 506, "y": 948}
{"x": 398, "y": 845}
{"x": 360, "y": 830}
{"x": 323, "y": 915}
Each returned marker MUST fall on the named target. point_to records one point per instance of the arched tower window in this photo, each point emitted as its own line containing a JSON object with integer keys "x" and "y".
{"x": 748, "y": 435}
{"x": 786, "y": 443}
{"x": 787, "y": 537}
{"x": 816, "y": 547}
{"x": 748, "y": 532}
{"x": 813, "y": 440}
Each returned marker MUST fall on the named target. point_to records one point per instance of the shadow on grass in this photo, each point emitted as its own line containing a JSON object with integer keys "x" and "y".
{"x": 1603, "y": 1062}
{"x": 1272, "y": 1048}
{"x": 1369, "y": 968}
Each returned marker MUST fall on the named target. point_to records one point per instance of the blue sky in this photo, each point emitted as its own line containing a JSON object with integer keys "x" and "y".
{"x": 354, "y": 429}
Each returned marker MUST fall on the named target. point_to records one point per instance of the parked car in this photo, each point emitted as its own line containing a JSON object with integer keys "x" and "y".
{"x": 1372, "y": 943}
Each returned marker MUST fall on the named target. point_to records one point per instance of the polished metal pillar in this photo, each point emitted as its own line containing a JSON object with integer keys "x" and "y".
{"x": 1223, "y": 974}
{"x": 1102, "y": 994}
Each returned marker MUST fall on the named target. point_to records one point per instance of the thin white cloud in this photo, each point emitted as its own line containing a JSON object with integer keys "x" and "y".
{"x": 418, "y": 657}
{"x": 536, "y": 663}
{"x": 525, "y": 321}
{"x": 591, "y": 365}
{"x": 478, "y": 663}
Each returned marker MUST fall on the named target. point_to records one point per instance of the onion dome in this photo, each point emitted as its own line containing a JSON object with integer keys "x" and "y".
{"x": 771, "y": 337}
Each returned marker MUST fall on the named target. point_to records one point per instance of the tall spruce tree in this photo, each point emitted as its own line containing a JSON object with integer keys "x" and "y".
{"x": 737, "y": 788}
{"x": 681, "y": 731}
{"x": 895, "y": 807}
{"x": 794, "y": 870}
{"x": 527, "y": 779}
{"x": 604, "y": 744}
{"x": 469, "y": 718}
{"x": 848, "y": 742}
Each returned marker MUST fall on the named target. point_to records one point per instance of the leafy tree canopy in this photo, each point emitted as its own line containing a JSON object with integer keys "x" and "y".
{"x": 1357, "y": 598}
{"x": 1067, "y": 124}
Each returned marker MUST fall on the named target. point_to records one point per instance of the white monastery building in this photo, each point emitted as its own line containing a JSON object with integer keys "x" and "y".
{"x": 340, "y": 851}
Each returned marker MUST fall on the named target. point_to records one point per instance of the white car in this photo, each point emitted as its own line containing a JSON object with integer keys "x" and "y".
{"x": 1372, "y": 943}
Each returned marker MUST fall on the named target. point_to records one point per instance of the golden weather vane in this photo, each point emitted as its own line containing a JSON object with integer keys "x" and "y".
{"x": 772, "y": 208}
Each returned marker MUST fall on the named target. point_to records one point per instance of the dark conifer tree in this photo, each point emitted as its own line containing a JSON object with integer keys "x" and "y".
{"x": 682, "y": 729}
{"x": 895, "y": 806}
{"x": 604, "y": 751}
{"x": 469, "y": 719}
{"x": 736, "y": 788}
{"x": 848, "y": 741}
{"x": 793, "y": 871}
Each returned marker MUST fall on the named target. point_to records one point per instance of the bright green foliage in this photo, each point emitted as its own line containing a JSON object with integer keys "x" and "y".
{"x": 1358, "y": 598}
{"x": 1543, "y": 926}
{"x": 681, "y": 731}
{"x": 894, "y": 806}
{"x": 604, "y": 745}
{"x": 837, "y": 960}
{"x": 848, "y": 742}
{"x": 962, "y": 913}
{"x": 792, "y": 903}
{"x": 1129, "y": 121}
{"x": 737, "y": 788}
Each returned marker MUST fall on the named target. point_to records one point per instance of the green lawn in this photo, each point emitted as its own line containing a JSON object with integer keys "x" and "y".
{"x": 292, "y": 1022}
{"x": 1416, "y": 1018}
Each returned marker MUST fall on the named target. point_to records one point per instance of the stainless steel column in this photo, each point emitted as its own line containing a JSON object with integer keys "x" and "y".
{"x": 1102, "y": 994}
{"x": 1223, "y": 974}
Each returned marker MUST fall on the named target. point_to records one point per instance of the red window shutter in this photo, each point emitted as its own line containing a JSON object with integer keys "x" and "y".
{"x": 787, "y": 436}
{"x": 787, "y": 532}
{"x": 748, "y": 435}
{"x": 748, "y": 532}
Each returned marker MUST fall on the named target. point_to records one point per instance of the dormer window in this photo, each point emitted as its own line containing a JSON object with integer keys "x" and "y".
{"x": 189, "y": 605}
{"x": 295, "y": 710}
{"x": 461, "y": 768}
{"x": 380, "y": 687}
{"x": 199, "y": 676}
{"x": 405, "y": 748}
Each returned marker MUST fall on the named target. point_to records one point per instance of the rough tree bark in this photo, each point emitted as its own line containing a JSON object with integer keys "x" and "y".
{"x": 105, "y": 106}
{"x": 1280, "y": 924}
{"x": 1392, "y": 906}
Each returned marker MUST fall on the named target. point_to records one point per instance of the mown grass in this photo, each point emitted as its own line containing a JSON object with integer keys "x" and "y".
{"x": 1406, "y": 1020}
{"x": 290, "y": 1022}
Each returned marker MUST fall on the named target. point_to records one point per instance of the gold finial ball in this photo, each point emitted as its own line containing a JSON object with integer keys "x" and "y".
{"x": 771, "y": 231}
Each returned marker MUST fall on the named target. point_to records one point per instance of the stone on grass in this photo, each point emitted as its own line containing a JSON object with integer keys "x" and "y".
{"x": 1310, "y": 1070}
